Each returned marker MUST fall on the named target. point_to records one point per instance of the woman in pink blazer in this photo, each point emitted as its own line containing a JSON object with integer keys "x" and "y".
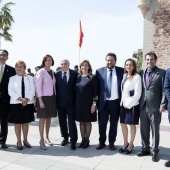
{"x": 46, "y": 99}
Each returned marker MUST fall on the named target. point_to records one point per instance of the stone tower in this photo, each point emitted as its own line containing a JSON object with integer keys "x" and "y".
{"x": 156, "y": 15}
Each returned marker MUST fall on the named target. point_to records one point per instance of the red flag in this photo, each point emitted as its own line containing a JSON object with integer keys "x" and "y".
{"x": 81, "y": 35}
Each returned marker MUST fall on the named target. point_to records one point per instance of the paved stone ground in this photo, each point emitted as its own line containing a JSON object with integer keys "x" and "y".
{"x": 57, "y": 157}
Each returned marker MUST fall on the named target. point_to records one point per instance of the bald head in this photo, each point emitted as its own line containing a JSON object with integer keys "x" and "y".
{"x": 64, "y": 64}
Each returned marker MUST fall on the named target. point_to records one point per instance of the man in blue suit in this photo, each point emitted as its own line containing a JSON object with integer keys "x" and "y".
{"x": 167, "y": 94}
{"x": 65, "y": 86}
{"x": 109, "y": 79}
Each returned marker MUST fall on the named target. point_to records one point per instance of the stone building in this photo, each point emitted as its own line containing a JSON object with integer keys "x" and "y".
{"x": 156, "y": 15}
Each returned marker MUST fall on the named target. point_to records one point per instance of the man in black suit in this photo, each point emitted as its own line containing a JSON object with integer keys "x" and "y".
{"x": 109, "y": 78}
{"x": 5, "y": 73}
{"x": 65, "y": 86}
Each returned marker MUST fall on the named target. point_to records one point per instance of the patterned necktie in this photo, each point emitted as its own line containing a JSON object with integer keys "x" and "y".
{"x": 148, "y": 76}
{"x": 65, "y": 78}
{"x": 1, "y": 73}
{"x": 23, "y": 88}
{"x": 109, "y": 84}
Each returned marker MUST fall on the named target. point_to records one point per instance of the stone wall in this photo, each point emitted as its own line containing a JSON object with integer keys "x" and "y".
{"x": 157, "y": 30}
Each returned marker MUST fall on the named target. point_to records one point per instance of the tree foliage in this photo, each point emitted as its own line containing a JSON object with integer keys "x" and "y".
{"x": 6, "y": 20}
{"x": 139, "y": 57}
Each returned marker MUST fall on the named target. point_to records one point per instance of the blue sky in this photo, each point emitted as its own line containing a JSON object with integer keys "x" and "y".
{"x": 52, "y": 27}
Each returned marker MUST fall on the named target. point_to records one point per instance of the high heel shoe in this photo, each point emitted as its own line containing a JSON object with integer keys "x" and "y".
{"x": 27, "y": 145}
{"x": 48, "y": 142}
{"x": 19, "y": 147}
{"x": 81, "y": 144}
{"x": 86, "y": 144}
{"x": 121, "y": 150}
{"x": 127, "y": 151}
{"x": 43, "y": 147}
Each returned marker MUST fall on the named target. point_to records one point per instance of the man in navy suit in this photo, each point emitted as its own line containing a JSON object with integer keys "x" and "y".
{"x": 167, "y": 94}
{"x": 109, "y": 79}
{"x": 65, "y": 86}
{"x": 5, "y": 73}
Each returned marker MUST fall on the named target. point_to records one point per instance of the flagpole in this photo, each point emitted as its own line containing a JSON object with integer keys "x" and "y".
{"x": 79, "y": 56}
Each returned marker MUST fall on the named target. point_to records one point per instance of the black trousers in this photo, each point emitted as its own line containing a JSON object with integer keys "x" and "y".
{"x": 67, "y": 128}
{"x": 4, "y": 114}
{"x": 111, "y": 111}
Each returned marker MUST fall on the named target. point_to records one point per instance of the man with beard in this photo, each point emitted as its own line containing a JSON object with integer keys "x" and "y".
{"x": 109, "y": 79}
{"x": 5, "y": 73}
{"x": 152, "y": 104}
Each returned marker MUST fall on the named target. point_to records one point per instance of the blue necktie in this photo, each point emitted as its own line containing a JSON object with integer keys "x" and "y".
{"x": 109, "y": 84}
{"x": 65, "y": 78}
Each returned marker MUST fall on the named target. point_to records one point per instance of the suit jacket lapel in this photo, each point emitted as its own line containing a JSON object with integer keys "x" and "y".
{"x": 5, "y": 73}
{"x": 105, "y": 77}
{"x": 144, "y": 75}
{"x": 70, "y": 76}
{"x": 154, "y": 75}
{"x": 118, "y": 77}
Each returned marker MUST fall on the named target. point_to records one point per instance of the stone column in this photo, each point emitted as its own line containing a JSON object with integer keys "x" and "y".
{"x": 156, "y": 37}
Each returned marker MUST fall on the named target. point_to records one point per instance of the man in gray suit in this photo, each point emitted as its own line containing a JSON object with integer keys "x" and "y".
{"x": 152, "y": 104}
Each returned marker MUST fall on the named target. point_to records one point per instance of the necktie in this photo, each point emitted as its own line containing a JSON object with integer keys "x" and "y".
{"x": 65, "y": 78}
{"x": 1, "y": 73}
{"x": 109, "y": 84}
{"x": 148, "y": 76}
{"x": 23, "y": 88}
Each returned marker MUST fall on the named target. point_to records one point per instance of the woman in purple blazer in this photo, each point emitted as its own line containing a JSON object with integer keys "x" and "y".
{"x": 46, "y": 99}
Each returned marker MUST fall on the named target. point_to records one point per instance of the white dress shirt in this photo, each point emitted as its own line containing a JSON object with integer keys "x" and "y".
{"x": 114, "y": 88}
{"x": 67, "y": 74}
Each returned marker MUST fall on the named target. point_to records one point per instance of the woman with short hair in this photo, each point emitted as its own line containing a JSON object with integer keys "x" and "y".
{"x": 21, "y": 90}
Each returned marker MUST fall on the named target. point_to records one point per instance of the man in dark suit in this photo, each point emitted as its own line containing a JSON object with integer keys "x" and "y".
{"x": 152, "y": 104}
{"x": 167, "y": 94}
{"x": 5, "y": 73}
{"x": 65, "y": 86}
{"x": 109, "y": 79}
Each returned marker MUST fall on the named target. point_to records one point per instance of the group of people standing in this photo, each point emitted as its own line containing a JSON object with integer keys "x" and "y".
{"x": 113, "y": 91}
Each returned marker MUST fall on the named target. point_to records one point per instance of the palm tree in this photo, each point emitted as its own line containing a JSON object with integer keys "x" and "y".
{"x": 6, "y": 21}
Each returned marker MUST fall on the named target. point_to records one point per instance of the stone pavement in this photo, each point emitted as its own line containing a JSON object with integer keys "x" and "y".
{"x": 57, "y": 157}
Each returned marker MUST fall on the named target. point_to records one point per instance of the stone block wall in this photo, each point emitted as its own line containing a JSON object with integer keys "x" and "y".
{"x": 157, "y": 31}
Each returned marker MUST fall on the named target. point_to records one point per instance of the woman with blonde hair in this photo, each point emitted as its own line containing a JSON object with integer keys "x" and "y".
{"x": 21, "y": 90}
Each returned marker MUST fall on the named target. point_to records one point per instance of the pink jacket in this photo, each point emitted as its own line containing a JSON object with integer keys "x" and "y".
{"x": 45, "y": 85}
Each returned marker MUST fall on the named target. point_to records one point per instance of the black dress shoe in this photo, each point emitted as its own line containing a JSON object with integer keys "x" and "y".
{"x": 127, "y": 151}
{"x": 81, "y": 144}
{"x": 167, "y": 164}
{"x": 100, "y": 146}
{"x": 64, "y": 142}
{"x": 121, "y": 150}
{"x": 86, "y": 144}
{"x": 112, "y": 147}
{"x": 27, "y": 145}
{"x": 155, "y": 158}
{"x": 73, "y": 146}
{"x": 4, "y": 146}
{"x": 19, "y": 147}
{"x": 143, "y": 153}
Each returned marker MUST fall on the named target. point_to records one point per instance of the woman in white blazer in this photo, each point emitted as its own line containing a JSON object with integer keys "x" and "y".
{"x": 129, "y": 115}
{"x": 21, "y": 89}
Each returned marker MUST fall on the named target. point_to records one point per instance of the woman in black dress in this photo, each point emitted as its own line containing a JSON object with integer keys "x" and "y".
{"x": 129, "y": 115}
{"x": 86, "y": 98}
{"x": 21, "y": 90}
